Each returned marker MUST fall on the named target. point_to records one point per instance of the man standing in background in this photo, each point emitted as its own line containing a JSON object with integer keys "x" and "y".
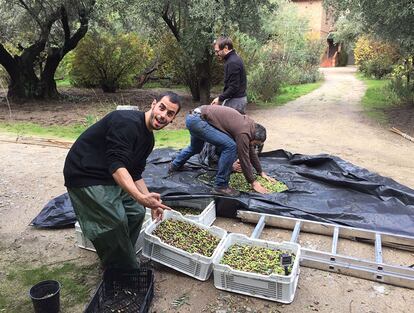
{"x": 235, "y": 81}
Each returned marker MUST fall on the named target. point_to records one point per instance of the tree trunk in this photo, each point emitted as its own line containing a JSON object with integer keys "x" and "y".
{"x": 194, "y": 89}
{"x": 204, "y": 79}
{"x": 48, "y": 83}
{"x": 23, "y": 83}
{"x": 108, "y": 86}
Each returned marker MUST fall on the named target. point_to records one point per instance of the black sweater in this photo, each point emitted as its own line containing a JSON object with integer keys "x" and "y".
{"x": 235, "y": 81}
{"x": 120, "y": 139}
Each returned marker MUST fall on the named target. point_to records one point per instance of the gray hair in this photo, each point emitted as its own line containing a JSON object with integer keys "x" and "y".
{"x": 259, "y": 132}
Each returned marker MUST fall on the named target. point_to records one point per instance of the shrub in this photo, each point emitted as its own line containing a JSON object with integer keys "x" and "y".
{"x": 374, "y": 58}
{"x": 65, "y": 66}
{"x": 402, "y": 82}
{"x": 265, "y": 79}
{"x": 4, "y": 78}
{"x": 175, "y": 66}
{"x": 109, "y": 61}
{"x": 291, "y": 55}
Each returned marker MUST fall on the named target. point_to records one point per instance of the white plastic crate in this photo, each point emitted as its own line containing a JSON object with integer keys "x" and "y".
{"x": 206, "y": 206}
{"x": 85, "y": 243}
{"x": 192, "y": 264}
{"x": 273, "y": 287}
{"x": 82, "y": 241}
{"x": 127, "y": 107}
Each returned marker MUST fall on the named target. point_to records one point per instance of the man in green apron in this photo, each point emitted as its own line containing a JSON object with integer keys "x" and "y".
{"x": 103, "y": 176}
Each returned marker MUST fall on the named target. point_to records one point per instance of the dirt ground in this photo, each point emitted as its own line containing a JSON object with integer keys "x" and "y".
{"x": 328, "y": 120}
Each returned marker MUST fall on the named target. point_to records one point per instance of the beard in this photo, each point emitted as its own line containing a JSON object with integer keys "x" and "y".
{"x": 157, "y": 122}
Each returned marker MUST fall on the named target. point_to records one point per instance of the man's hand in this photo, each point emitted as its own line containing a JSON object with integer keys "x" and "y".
{"x": 216, "y": 101}
{"x": 268, "y": 178}
{"x": 157, "y": 214}
{"x": 236, "y": 167}
{"x": 259, "y": 188}
{"x": 153, "y": 201}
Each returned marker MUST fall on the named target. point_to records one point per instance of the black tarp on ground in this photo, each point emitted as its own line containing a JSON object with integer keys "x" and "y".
{"x": 321, "y": 188}
{"x": 57, "y": 213}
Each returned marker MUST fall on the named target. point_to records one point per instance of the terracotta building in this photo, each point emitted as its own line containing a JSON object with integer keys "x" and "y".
{"x": 321, "y": 25}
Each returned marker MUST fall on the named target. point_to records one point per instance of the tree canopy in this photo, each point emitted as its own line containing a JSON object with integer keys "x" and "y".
{"x": 391, "y": 20}
{"x": 195, "y": 24}
{"x": 41, "y": 32}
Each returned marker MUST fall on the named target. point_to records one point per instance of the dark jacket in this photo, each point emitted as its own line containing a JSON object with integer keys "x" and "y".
{"x": 235, "y": 81}
{"x": 120, "y": 139}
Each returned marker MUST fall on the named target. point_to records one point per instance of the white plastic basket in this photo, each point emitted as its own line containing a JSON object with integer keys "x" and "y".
{"x": 192, "y": 264}
{"x": 127, "y": 107}
{"x": 206, "y": 206}
{"x": 273, "y": 287}
{"x": 82, "y": 241}
{"x": 85, "y": 243}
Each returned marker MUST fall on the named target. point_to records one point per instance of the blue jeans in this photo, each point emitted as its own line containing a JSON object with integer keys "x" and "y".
{"x": 202, "y": 132}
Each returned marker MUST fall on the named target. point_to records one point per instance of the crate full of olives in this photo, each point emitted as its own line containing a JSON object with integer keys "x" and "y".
{"x": 183, "y": 244}
{"x": 201, "y": 210}
{"x": 259, "y": 268}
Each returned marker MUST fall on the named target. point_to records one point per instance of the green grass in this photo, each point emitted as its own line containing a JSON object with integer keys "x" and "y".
{"x": 76, "y": 281}
{"x": 290, "y": 93}
{"x": 172, "y": 138}
{"x": 63, "y": 83}
{"x": 33, "y": 129}
{"x": 163, "y": 138}
{"x": 377, "y": 97}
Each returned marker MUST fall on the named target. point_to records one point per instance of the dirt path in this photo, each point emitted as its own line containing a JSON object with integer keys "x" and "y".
{"x": 328, "y": 120}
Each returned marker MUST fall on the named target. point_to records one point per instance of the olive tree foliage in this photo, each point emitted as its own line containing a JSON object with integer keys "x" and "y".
{"x": 110, "y": 61}
{"x": 40, "y": 33}
{"x": 347, "y": 31}
{"x": 290, "y": 55}
{"x": 391, "y": 20}
{"x": 387, "y": 20}
{"x": 194, "y": 25}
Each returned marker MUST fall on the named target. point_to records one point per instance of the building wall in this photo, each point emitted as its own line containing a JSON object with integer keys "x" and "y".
{"x": 320, "y": 22}
{"x": 320, "y": 25}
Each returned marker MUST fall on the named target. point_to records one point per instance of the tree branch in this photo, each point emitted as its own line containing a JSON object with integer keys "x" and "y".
{"x": 32, "y": 14}
{"x": 7, "y": 60}
{"x": 65, "y": 24}
{"x": 72, "y": 42}
{"x": 170, "y": 21}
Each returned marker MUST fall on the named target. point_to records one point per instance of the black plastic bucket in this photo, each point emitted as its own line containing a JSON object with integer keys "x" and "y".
{"x": 45, "y": 296}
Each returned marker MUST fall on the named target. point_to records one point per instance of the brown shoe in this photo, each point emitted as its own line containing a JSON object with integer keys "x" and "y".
{"x": 226, "y": 191}
{"x": 172, "y": 168}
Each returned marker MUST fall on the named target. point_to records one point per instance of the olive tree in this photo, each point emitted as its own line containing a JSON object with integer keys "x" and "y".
{"x": 42, "y": 32}
{"x": 194, "y": 25}
{"x": 391, "y": 20}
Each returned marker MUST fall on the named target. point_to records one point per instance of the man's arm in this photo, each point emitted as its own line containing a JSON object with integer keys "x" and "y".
{"x": 155, "y": 213}
{"x": 245, "y": 163}
{"x": 151, "y": 199}
{"x": 254, "y": 158}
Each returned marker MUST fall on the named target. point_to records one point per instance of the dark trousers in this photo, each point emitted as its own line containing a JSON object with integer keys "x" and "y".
{"x": 111, "y": 220}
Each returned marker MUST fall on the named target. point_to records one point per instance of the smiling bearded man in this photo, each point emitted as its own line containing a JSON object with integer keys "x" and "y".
{"x": 103, "y": 176}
